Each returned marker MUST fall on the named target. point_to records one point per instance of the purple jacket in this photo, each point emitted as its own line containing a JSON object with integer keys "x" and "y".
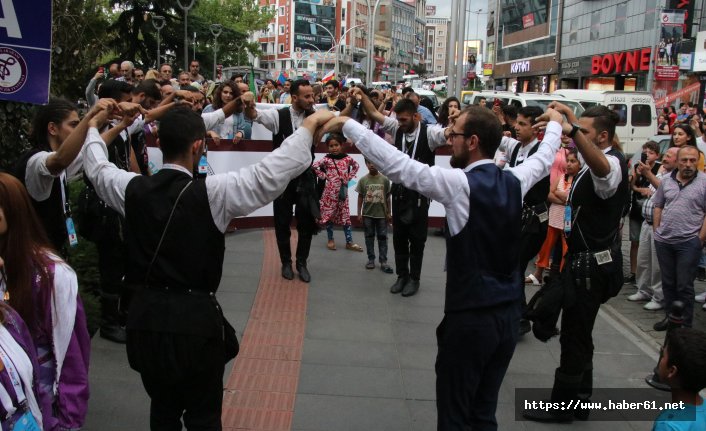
{"x": 19, "y": 331}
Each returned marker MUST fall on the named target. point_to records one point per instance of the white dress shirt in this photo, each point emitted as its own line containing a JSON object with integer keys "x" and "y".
{"x": 604, "y": 187}
{"x": 522, "y": 153}
{"x": 230, "y": 195}
{"x": 39, "y": 180}
{"x": 435, "y": 133}
{"x": 270, "y": 118}
{"x": 213, "y": 119}
{"x": 448, "y": 186}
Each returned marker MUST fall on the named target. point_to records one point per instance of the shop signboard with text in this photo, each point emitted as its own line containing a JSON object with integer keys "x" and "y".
{"x": 700, "y": 52}
{"x": 25, "y": 50}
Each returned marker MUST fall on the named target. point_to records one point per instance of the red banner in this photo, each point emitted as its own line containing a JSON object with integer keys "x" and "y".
{"x": 665, "y": 101}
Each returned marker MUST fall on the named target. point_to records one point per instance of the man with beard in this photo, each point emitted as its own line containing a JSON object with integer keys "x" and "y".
{"x": 592, "y": 271}
{"x": 679, "y": 231}
{"x": 410, "y": 208}
{"x": 301, "y": 191}
{"x": 483, "y": 205}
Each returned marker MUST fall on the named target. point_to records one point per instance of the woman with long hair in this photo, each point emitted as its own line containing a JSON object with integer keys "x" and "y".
{"x": 449, "y": 103}
{"x": 43, "y": 289}
{"x": 683, "y": 135}
{"x": 233, "y": 127}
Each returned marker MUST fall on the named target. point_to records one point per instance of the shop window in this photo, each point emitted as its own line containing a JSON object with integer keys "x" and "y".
{"x": 651, "y": 9}
{"x": 622, "y": 111}
{"x": 595, "y": 25}
{"x": 574, "y": 31}
{"x": 621, "y": 15}
{"x": 641, "y": 115}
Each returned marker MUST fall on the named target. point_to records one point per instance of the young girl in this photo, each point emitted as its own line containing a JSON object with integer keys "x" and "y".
{"x": 558, "y": 194}
{"x": 337, "y": 168}
{"x": 43, "y": 290}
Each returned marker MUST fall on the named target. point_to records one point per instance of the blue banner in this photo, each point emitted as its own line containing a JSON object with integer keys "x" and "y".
{"x": 25, "y": 50}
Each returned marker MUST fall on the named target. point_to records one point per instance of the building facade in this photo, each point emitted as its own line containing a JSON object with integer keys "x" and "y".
{"x": 437, "y": 42}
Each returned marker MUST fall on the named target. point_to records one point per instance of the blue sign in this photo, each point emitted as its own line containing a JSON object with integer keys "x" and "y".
{"x": 25, "y": 50}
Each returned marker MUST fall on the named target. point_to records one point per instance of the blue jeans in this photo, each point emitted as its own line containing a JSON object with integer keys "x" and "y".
{"x": 373, "y": 227}
{"x": 347, "y": 231}
{"x": 678, "y": 263}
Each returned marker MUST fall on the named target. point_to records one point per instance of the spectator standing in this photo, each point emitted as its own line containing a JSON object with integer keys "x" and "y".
{"x": 374, "y": 212}
{"x": 331, "y": 97}
{"x": 127, "y": 69}
{"x": 648, "y": 274}
{"x": 284, "y": 95}
{"x": 680, "y": 231}
{"x": 165, "y": 72}
{"x": 194, "y": 75}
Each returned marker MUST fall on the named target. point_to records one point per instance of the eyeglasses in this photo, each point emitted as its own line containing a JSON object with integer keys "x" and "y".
{"x": 454, "y": 134}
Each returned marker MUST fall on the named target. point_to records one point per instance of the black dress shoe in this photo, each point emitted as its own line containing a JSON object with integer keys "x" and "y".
{"x": 551, "y": 416}
{"x": 399, "y": 285}
{"x": 303, "y": 272}
{"x": 661, "y": 325}
{"x": 287, "y": 271}
{"x": 114, "y": 333}
{"x": 525, "y": 326}
{"x": 410, "y": 288}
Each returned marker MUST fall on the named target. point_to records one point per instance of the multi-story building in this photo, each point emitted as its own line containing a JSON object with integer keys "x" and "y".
{"x": 306, "y": 33}
{"x": 437, "y": 40}
{"x": 420, "y": 27}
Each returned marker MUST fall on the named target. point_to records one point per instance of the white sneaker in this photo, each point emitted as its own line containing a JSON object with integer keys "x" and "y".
{"x": 639, "y": 296}
{"x": 653, "y": 306}
{"x": 701, "y": 297}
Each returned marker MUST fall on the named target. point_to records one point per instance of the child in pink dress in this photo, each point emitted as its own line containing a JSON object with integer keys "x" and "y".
{"x": 337, "y": 168}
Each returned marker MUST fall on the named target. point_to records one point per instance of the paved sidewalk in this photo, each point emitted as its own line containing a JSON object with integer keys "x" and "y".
{"x": 366, "y": 360}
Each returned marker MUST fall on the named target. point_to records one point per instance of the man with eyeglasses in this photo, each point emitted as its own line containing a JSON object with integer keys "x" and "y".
{"x": 194, "y": 74}
{"x": 483, "y": 204}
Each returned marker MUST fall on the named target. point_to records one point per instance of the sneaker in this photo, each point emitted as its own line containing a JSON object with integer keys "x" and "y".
{"x": 701, "y": 297}
{"x": 630, "y": 279}
{"x": 639, "y": 296}
{"x": 653, "y": 306}
{"x": 384, "y": 267}
{"x": 701, "y": 274}
{"x": 370, "y": 265}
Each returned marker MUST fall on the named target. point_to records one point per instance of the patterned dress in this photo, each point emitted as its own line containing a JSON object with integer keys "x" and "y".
{"x": 336, "y": 170}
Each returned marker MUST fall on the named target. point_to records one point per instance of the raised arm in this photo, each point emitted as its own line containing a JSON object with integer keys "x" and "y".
{"x": 370, "y": 109}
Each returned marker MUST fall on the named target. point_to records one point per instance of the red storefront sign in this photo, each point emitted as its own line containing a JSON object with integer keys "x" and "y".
{"x": 621, "y": 62}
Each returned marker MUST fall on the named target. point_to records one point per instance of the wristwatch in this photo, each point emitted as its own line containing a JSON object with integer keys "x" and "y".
{"x": 574, "y": 128}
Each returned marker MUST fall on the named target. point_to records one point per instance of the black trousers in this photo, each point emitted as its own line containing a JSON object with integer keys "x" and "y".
{"x": 475, "y": 349}
{"x": 577, "y": 320}
{"x": 183, "y": 375}
{"x": 306, "y": 225}
{"x": 409, "y": 241}
{"x": 531, "y": 241}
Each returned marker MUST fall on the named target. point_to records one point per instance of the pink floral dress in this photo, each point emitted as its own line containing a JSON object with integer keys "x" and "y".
{"x": 336, "y": 170}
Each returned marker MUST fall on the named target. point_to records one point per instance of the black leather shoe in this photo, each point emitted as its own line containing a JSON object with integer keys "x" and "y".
{"x": 410, "y": 288}
{"x": 303, "y": 272}
{"x": 114, "y": 333}
{"x": 661, "y": 325}
{"x": 540, "y": 415}
{"x": 287, "y": 271}
{"x": 399, "y": 285}
{"x": 525, "y": 326}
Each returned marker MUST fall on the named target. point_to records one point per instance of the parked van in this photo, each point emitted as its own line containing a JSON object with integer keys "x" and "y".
{"x": 414, "y": 81}
{"x": 520, "y": 100}
{"x": 349, "y": 82}
{"x": 435, "y": 84}
{"x": 638, "y": 115}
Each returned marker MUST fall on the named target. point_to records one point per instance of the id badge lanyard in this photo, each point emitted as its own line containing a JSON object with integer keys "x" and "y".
{"x": 70, "y": 228}
{"x": 5, "y": 397}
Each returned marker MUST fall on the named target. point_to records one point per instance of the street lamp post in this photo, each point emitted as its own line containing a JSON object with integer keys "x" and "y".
{"x": 338, "y": 44}
{"x": 371, "y": 37}
{"x": 158, "y": 22}
{"x": 478, "y": 13}
{"x": 321, "y": 54}
{"x": 186, "y": 8}
{"x": 216, "y": 30}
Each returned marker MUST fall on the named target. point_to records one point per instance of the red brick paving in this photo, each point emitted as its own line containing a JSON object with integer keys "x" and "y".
{"x": 262, "y": 387}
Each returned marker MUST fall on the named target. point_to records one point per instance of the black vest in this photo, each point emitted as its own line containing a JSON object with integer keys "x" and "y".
{"x": 424, "y": 154}
{"x": 286, "y": 130}
{"x": 50, "y": 210}
{"x": 191, "y": 255}
{"x": 483, "y": 259}
{"x": 539, "y": 192}
{"x": 596, "y": 221}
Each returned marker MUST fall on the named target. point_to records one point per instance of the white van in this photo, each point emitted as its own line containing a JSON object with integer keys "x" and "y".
{"x": 435, "y": 84}
{"x": 519, "y": 100}
{"x": 381, "y": 85}
{"x": 638, "y": 115}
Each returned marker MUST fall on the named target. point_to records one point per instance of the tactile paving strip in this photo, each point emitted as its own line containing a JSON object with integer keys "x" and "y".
{"x": 262, "y": 386}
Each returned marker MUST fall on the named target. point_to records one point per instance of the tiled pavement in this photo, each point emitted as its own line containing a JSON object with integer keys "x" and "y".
{"x": 366, "y": 358}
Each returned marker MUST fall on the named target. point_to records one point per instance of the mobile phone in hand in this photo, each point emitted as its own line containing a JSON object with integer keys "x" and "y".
{"x": 643, "y": 158}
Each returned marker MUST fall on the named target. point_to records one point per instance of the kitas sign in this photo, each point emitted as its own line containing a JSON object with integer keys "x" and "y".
{"x": 621, "y": 62}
